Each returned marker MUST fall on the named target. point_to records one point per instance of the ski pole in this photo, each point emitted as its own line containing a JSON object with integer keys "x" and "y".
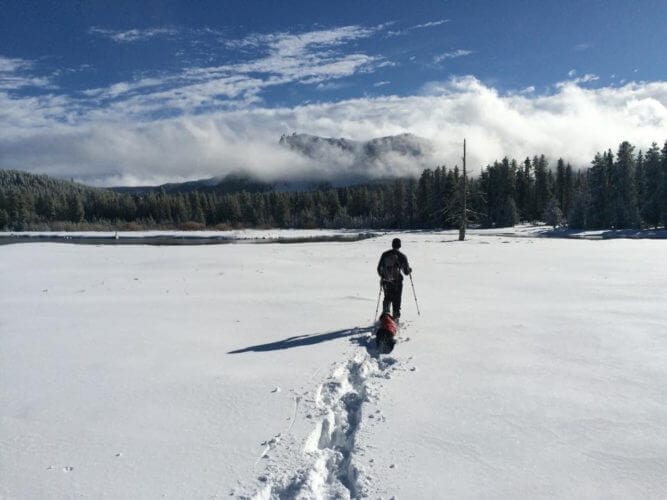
{"x": 414, "y": 294}
{"x": 378, "y": 305}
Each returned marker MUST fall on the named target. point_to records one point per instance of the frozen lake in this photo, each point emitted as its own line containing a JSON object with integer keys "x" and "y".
{"x": 536, "y": 369}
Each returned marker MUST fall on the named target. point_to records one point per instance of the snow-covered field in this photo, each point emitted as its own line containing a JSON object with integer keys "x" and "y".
{"x": 538, "y": 368}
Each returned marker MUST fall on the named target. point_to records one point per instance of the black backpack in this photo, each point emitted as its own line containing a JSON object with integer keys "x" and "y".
{"x": 390, "y": 267}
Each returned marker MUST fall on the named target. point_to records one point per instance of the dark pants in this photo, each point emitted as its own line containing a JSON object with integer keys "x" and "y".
{"x": 392, "y": 296}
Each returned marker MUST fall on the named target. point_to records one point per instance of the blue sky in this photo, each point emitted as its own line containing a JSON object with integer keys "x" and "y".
{"x": 133, "y": 92}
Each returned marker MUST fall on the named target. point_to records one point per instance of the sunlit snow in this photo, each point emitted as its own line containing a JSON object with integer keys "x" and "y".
{"x": 536, "y": 369}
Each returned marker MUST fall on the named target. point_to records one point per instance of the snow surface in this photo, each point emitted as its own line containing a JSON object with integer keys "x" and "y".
{"x": 536, "y": 369}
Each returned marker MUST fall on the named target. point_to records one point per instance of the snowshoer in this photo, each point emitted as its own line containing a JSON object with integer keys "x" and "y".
{"x": 391, "y": 264}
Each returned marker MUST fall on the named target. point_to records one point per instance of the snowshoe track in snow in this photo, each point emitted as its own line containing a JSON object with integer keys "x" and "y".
{"x": 330, "y": 469}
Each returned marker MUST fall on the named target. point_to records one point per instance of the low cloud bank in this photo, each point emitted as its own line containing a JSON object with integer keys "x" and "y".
{"x": 573, "y": 122}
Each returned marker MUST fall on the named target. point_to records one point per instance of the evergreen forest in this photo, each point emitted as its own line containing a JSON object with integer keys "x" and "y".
{"x": 622, "y": 190}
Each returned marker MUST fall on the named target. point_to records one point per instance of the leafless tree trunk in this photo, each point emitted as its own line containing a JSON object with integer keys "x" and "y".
{"x": 464, "y": 201}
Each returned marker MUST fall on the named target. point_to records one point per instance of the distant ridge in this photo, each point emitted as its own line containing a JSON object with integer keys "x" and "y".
{"x": 360, "y": 163}
{"x": 364, "y": 155}
{"x": 231, "y": 183}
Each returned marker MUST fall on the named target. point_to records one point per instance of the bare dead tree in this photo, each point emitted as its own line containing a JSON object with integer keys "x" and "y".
{"x": 464, "y": 199}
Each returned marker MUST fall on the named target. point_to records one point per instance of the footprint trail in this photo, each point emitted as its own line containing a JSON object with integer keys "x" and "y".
{"x": 329, "y": 468}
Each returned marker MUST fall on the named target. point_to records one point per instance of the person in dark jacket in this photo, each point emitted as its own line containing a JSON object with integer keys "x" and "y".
{"x": 392, "y": 264}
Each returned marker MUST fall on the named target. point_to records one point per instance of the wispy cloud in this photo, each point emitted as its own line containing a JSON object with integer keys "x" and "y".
{"x": 331, "y": 86}
{"x": 581, "y": 47}
{"x": 430, "y": 24}
{"x": 11, "y": 65}
{"x": 381, "y": 84}
{"x": 16, "y": 74}
{"x": 312, "y": 55}
{"x": 320, "y": 58}
{"x": 133, "y": 35}
{"x": 588, "y": 77}
{"x": 451, "y": 55}
{"x": 405, "y": 31}
{"x": 577, "y": 80}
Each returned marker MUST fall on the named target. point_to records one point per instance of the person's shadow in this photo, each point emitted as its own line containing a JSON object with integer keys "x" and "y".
{"x": 357, "y": 334}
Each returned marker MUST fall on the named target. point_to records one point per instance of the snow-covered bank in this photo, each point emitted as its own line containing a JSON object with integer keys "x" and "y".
{"x": 536, "y": 369}
{"x": 544, "y": 231}
{"x": 186, "y": 237}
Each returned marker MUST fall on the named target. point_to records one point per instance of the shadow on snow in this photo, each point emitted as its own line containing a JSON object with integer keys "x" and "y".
{"x": 359, "y": 336}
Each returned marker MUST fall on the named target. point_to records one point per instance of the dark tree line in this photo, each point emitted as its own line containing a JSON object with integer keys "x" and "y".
{"x": 30, "y": 201}
{"x": 625, "y": 190}
{"x": 621, "y": 191}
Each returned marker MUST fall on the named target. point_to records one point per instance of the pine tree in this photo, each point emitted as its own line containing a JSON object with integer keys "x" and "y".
{"x": 4, "y": 219}
{"x": 651, "y": 183}
{"x": 45, "y": 207}
{"x": 75, "y": 211}
{"x": 178, "y": 209}
{"x": 560, "y": 185}
{"x": 196, "y": 209}
{"x": 332, "y": 204}
{"x": 640, "y": 179}
{"x": 280, "y": 209}
{"x": 568, "y": 189}
{"x": 498, "y": 184}
{"x": 411, "y": 203}
{"x": 451, "y": 199}
{"x": 599, "y": 216}
{"x": 438, "y": 202}
{"x": 553, "y": 215}
{"x": 578, "y": 216}
{"x": 625, "y": 213}
{"x": 508, "y": 215}
{"x": 524, "y": 188}
{"x": 663, "y": 192}
{"x": 543, "y": 191}
{"x": 424, "y": 195}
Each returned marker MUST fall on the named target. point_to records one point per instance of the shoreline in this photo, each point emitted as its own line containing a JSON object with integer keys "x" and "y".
{"x": 174, "y": 240}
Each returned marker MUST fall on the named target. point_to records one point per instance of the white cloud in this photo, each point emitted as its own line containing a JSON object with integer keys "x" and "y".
{"x": 133, "y": 35}
{"x": 16, "y": 74}
{"x": 288, "y": 44}
{"x": 310, "y": 55}
{"x": 311, "y": 58}
{"x": 10, "y": 65}
{"x": 451, "y": 55}
{"x": 431, "y": 24}
{"x": 587, "y": 78}
{"x": 328, "y": 86}
{"x": 45, "y": 135}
